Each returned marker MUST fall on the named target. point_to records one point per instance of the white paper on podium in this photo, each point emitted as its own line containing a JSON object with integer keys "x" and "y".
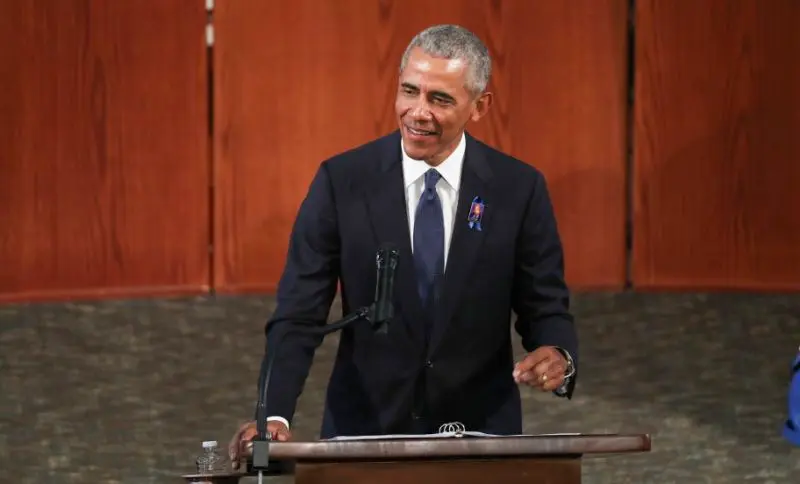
{"x": 440, "y": 435}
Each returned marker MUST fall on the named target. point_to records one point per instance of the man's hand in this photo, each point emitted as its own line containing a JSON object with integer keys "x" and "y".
{"x": 247, "y": 432}
{"x": 543, "y": 368}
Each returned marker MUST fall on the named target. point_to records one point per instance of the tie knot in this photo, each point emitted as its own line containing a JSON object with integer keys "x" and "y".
{"x": 431, "y": 179}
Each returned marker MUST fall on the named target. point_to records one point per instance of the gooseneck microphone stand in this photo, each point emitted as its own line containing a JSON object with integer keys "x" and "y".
{"x": 378, "y": 315}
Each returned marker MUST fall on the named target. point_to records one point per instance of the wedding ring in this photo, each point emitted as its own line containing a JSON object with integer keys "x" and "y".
{"x": 544, "y": 377}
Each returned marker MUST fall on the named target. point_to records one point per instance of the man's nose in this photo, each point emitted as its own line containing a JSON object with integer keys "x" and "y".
{"x": 420, "y": 110}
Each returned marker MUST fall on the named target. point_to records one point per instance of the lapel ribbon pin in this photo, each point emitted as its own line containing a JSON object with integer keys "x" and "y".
{"x": 476, "y": 213}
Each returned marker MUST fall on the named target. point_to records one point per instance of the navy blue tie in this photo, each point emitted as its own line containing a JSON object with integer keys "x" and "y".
{"x": 429, "y": 237}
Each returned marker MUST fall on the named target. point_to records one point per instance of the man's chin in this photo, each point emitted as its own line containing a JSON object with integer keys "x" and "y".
{"x": 417, "y": 154}
{"x": 419, "y": 150}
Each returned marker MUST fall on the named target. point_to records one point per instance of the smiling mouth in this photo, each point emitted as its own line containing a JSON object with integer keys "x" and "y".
{"x": 420, "y": 132}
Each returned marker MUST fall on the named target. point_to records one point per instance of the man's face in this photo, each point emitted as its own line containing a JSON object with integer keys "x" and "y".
{"x": 433, "y": 105}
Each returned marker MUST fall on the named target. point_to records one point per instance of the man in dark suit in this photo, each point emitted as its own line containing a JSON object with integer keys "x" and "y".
{"x": 477, "y": 239}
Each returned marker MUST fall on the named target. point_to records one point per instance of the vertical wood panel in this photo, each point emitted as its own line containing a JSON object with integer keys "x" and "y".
{"x": 717, "y": 158}
{"x": 298, "y": 81}
{"x": 295, "y": 82}
{"x": 103, "y": 148}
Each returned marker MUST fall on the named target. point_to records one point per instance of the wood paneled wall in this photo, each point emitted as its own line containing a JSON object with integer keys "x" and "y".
{"x": 717, "y": 145}
{"x": 298, "y": 81}
{"x": 107, "y": 163}
{"x": 103, "y": 148}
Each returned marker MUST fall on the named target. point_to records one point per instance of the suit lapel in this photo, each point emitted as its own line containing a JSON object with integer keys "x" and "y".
{"x": 466, "y": 242}
{"x": 386, "y": 203}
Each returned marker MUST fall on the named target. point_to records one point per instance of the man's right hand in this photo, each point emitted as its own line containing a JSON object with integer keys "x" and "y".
{"x": 248, "y": 431}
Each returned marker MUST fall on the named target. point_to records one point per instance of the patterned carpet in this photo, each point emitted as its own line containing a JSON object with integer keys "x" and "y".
{"x": 125, "y": 391}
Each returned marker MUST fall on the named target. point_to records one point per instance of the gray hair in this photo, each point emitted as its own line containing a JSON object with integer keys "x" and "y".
{"x": 455, "y": 42}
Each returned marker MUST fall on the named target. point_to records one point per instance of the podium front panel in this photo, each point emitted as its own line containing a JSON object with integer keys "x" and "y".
{"x": 554, "y": 470}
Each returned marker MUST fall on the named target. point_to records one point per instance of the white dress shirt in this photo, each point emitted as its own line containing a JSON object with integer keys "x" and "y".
{"x": 446, "y": 188}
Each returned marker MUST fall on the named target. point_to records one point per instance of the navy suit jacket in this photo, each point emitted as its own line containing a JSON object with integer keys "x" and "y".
{"x": 405, "y": 382}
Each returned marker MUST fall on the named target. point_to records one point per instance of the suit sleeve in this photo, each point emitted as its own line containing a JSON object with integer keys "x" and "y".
{"x": 305, "y": 294}
{"x": 540, "y": 295}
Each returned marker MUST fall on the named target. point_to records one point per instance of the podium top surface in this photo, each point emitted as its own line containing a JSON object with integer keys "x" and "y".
{"x": 457, "y": 447}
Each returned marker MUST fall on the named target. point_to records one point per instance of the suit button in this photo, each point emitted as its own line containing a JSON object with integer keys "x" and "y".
{"x": 429, "y": 364}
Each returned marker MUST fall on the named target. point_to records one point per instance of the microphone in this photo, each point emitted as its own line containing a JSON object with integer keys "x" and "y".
{"x": 378, "y": 314}
{"x": 383, "y": 309}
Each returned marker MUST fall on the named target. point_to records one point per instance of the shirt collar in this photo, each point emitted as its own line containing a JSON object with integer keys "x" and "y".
{"x": 450, "y": 168}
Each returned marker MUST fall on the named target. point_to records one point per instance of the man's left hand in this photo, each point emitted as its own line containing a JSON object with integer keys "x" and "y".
{"x": 543, "y": 368}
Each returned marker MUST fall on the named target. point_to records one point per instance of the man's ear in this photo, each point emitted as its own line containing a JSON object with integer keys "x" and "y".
{"x": 482, "y": 106}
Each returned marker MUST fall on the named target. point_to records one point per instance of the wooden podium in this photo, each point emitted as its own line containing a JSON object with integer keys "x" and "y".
{"x": 535, "y": 459}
